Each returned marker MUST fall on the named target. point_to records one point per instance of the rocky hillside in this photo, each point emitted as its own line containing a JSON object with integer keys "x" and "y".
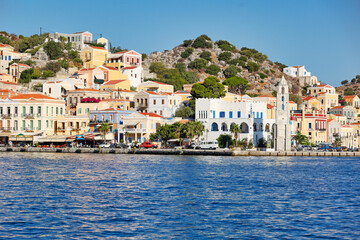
{"x": 350, "y": 87}
{"x": 222, "y": 59}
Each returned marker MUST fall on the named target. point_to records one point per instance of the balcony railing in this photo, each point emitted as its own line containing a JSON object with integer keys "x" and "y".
{"x": 29, "y": 116}
{"x": 100, "y": 121}
{"x": 6, "y": 116}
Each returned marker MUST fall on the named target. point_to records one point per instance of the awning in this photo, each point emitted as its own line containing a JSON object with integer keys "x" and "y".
{"x": 53, "y": 139}
{"x": 66, "y": 87}
{"x": 131, "y": 123}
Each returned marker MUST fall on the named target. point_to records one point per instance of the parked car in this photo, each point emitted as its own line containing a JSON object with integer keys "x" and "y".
{"x": 148, "y": 145}
{"x": 119, "y": 145}
{"x": 193, "y": 146}
{"x": 104, "y": 145}
{"x": 208, "y": 145}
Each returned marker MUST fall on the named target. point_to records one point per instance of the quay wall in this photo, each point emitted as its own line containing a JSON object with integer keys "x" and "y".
{"x": 219, "y": 152}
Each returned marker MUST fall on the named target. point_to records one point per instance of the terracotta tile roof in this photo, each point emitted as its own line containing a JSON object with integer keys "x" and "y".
{"x": 345, "y": 126}
{"x": 338, "y": 115}
{"x": 159, "y": 82}
{"x": 126, "y": 68}
{"x": 86, "y": 69}
{"x": 5, "y": 45}
{"x": 4, "y": 74}
{"x": 110, "y": 68}
{"x": 20, "y": 64}
{"x": 123, "y": 52}
{"x": 101, "y": 48}
{"x": 268, "y": 106}
{"x": 85, "y": 89}
{"x": 308, "y": 98}
{"x": 115, "y": 100}
{"x": 183, "y": 121}
{"x": 154, "y": 93}
{"x": 109, "y": 109}
{"x": 182, "y": 92}
{"x": 291, "y": 102}
{"x": 34, "y": 96}
{"x": 150, "y": 114}
{"x": 269, "y": 96}
{"x": 337, "y": 107}
{"x": 352, "y": 96}
{"x": 9, "y": 83}
{"x": 357, "y": 123}
{"x": 297, "y": 66}
{"x": 113, "y": 82}
{"x": 125, "y": 90}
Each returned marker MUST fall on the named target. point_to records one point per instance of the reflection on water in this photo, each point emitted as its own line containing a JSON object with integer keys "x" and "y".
{"x": 50, "y": 196}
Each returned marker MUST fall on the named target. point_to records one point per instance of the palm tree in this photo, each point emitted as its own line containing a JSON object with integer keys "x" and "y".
{"x": 189, "y": 130}
{"x": 337, "y": 142}
{"x": 199, "y": 129}
{"x": 235, "y": 129}
{"x": 104, "y": 128}
{"x": 301, "y": 139}
{"x": 126, "y": 137}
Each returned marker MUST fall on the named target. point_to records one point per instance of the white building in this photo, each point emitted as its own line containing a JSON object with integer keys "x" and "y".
{"x": 218, "y": 115}
{"x": 59, "y": 88}
{"x": 296, "y": 71}
{"x": 164, "y": 104}
{"x": 135, "y": 75}
{"x": 79, "y": 39}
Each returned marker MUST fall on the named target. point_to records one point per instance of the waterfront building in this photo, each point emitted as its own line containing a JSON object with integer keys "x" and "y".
{"x": 282, "y": 119}
{"x": 84, "y": 108}
{"x": 218, "y": 115}
{"x": 138, "y": 126}
{"x": 154, "y": 86}
{"x": 348, "y": 138}
{"x": 32, "y": 113}
{"x": 162, "y": 103}
{"x": 347, "y": 111}
{"x": 68, "y": 125}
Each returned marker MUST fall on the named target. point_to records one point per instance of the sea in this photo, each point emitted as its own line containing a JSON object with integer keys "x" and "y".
{"x": 95, "y": 196}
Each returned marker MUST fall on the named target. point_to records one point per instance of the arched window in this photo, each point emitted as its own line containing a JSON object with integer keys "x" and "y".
{"x": 283, "y": 107}
{"x": 214, "y": 127}
{"x": 255, "y": 127}
{"x": 282, "y": 90}
{"x": 261, "y": 127}
{"x": 224, "y": 127}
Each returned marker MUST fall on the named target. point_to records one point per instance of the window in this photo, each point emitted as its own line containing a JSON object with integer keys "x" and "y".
{"x": 47, "y": 110}
{"x": 57, "y": 111}
{"x": 257, "y": 114}
{"x": 154, "y": 101}
{"x": 163, "y": 102}
{"x": 61, "y": 111}
{"x": 39, "y": 124}
{"x": 52, "y": 110}
{"x": 16, "y": 110}
{"x": 261, "y": 115}
{"x": 31, "y": 110}
{"x": 230, "y": 114}
{"x": 239, "y": 114}
{"x": 80, "y": 110}
{"x": 23, "y": 124}
{"x": 39, "y": 111}
{"x": 161, "y": 112}
{"x": 309, "y": 125}
{"x": 49, "y": 90}
{"x": 47, "y": 123}
{"x": 222, "y": 114}
{"x": 214, "y": 116}
{"x": 24, "y": 110}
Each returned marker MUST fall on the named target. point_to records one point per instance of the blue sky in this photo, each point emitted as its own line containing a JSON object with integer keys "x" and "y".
{"x": 323, "y": 35}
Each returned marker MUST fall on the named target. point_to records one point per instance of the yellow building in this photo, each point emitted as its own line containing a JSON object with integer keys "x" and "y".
{"x": 153, "y": 86}
{"x": 85, "y": 108}
{"x": 348, "y": 139}
{"x": 185, "y": 96}
{"x": 353, "y": 101}
{"x": 311, "y": 103}
{"x": 71, "y": 125}
{"x": 269, "y": 99}
{"x": 116, "y": 84}
{"x": 93, "y": 56}
{"x": 312, "y": 125}
{"x": 16, "y": 69}
{"x": 356, "y": 128}
{"x": 326, "y": 94}
{"x": 292, "y": 106}
{"x": 111, "y": 73}
{"x": 339, "y": 118}
{"x": 6, "y": 77}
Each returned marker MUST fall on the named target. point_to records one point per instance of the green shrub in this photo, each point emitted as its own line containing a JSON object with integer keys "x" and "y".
{"x": 252, "y": 66}
{"x": 53, "y": 50}
{"x": 206, "y": 55}
{"x": 262, "y": 76}
{"x": 47, "y": 73}
{"x": 53, "y": 66}
{"x": 198, "y": 64}
{"x": 187, "y": 52}
{"x": 202, "y": 42}
{"x": 187, "y": 43}
{"x": 231, "y": 71}
{"x": 225, "y": 56}
{"x": 213, "y": 69}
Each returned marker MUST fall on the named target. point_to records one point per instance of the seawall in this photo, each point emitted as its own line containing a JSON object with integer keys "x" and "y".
{"x": 219, "y": 152}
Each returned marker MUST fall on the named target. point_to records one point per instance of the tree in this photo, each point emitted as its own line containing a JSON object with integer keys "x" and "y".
{"x": 295, "y": 98}
{"x": 262, "y": 75}
{"x": 198, "y": 63}
{"x": 199, "y": 129}
{"x": 187, "y": 43}
{"x": 349, "y": 91}
{"x": 301, "y": 139}
{"x": 189, "y": 130}
{"x": 280, "y": 65}
{"x": 184, "y": 112}
{"x": 206, "y": 55}
{"x": 224, "y": 56}
{"x": 181, "y": 67}
{"x": 202, "y": 41}
{"x": 165, "y": 133}
{"x": 47, "y": 74}
{"x": 237, "y": 84}
{"x": 26, "y": 75}
{"x": 53, "y": 66}
{"x": 187, "y": 52}
{"x": 235, "y": 129}
{"x": 225, "y": 140}
{"x": 344, "y": 82}
{"x": 104, "y": 128}
{"x": 213, "y": 69}
{"x": 231, "y": 71}
{"x": 337, "y": 142}
{"x": 252, "y": 66}
{"x": 116, "y": 49}
{"x": 210, "y": 88}
{"x": 53, "y": 50}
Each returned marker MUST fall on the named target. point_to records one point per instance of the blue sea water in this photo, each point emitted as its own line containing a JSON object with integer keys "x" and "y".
{"x": 94, "y": 196}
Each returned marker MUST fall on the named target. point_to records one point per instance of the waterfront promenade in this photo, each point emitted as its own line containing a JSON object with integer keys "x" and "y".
{"x": 219, "y": 152}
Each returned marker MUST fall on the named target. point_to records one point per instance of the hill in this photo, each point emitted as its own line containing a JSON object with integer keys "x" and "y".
{"x": 202, "y": 57}
{"x": 350, "y": 87}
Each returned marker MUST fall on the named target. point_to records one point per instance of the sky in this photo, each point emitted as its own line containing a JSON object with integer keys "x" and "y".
{"x": 323, "y": 35}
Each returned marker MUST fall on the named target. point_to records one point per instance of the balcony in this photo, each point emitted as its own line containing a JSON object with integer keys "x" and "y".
{"x": 6, "y": 116}
{"x": 100, "y": 121}
{"x": 59, "y": 129}
{"x": 133, "y": 130}
{"x": 29, "y": 116}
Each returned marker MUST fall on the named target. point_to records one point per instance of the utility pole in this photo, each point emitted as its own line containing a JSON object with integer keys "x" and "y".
{"x": 40, "y": 31}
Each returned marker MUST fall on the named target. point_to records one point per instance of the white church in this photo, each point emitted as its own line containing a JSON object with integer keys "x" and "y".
{"x": 218, "y": 115}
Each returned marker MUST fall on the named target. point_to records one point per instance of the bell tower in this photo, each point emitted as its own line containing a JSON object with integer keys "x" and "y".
{"x": 282, "y": 118}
